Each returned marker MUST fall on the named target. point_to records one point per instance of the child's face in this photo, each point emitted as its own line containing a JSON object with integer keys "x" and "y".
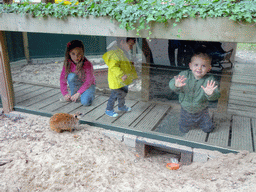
{"x": 200, "y": 66}
{"x": 76, "y": 54}
{"x": 127, "y": 46}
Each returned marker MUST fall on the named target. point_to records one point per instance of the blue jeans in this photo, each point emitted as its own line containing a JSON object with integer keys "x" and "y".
{"x": 75, "y": 83}
{"x": 201, "y": 119}
{"x": 117, "y": 94}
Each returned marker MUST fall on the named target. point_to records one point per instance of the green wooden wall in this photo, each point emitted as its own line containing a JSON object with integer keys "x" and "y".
{"x": 43, "y": 45}
{"x": 15, "y": 45}
{"x": 46, "y": 45}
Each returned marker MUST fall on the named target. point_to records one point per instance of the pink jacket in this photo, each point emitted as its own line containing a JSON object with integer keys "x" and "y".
{"x": 88, "y": 80}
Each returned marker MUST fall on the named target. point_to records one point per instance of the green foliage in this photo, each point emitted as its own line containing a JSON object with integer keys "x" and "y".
{"x": 246, "y": 47}
{"x": 138, "y": 14}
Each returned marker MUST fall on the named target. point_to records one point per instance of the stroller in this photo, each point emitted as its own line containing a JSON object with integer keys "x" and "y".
{"x": 219, "y": 56}
{"x": 187, "y": 48}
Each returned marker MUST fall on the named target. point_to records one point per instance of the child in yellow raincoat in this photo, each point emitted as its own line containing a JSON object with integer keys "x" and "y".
{"x": 121, "y": 73}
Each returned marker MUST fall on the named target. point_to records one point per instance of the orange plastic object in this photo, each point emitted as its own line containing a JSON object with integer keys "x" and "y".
{"x": 172, "y": 166}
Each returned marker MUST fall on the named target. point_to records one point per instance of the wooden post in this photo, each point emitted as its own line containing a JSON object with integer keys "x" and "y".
{"x": 145, "y": 74}
{"x": 225, "y": 84}
{"x": 26, "y": 48}
{"x": 145, "y": 82}
{"x": 6, "y": 88}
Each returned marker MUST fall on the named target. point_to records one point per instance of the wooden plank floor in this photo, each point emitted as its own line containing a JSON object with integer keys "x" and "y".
{"x": 144, "y": 116}
{"x": 232, "y": 131}
{"x": 242, "y": 97}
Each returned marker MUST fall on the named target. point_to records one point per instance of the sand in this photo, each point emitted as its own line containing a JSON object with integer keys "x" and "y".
{"x": 35, "y": 158}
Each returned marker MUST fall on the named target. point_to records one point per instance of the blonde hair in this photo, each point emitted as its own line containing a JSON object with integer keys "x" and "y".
{"x": 67, "y": 62}
{"x": 203, "y": 56}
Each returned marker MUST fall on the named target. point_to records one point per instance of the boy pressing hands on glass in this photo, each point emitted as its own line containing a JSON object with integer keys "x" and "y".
{"x": 195, "y": 88}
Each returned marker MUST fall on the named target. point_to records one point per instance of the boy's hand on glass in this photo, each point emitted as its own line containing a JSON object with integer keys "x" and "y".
{"x": 210, "y": 87}
{"x": 75, "y": 97}
{"x": 124, "y": 77}
{"x": 179, "y": 81}
{"x": 67, "y": 97}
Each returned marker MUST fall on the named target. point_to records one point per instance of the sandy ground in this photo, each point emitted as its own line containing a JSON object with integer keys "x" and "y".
{"x": 35, "y": 158}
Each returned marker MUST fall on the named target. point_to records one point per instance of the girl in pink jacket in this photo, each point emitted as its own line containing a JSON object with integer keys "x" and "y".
{"x": 78, "y": 72}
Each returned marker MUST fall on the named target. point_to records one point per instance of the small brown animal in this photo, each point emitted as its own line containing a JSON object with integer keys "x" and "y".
{"x": 60, "y": 122}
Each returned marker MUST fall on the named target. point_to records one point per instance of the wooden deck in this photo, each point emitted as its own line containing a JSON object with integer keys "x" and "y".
{"x": 145, "y": 116}
{"x": 232, "y": 132}
{"x": 242, "y": 97}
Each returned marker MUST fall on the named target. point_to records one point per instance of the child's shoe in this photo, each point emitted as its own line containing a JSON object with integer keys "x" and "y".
{"x": 111, "y": 113}
{"x": 124, "y": 109}
{"x": 62, "y": 100}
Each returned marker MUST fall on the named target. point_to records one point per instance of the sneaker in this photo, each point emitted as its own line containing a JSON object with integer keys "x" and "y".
{"x": 62, "y": 100}
{"x": 111, "y": 113}
{"x": 124, "y": 109}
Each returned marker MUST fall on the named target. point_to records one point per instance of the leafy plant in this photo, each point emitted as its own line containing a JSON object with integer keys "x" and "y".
{"x": 138, "y": 14}
{"x": 246, "y": 46}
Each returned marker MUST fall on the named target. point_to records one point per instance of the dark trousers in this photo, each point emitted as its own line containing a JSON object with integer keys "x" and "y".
{"x": 185, "y": 52}
{"x": 201, "y": 119}
{"x": 117, "y": 94}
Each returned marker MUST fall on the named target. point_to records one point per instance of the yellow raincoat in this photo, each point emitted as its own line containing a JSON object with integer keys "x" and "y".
{"x": 118, "y": 66}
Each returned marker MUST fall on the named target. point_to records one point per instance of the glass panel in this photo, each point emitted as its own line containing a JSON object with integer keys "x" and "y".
{"x": 155, "y": 106}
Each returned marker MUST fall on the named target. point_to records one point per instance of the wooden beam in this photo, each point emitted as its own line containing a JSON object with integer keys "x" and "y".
{"x": 26, "y": 47}
{"x": 225, "y": 84}
{"x": 6, "y": 87}
{"x": 145, "y": 85}
{"x": 214, "y": 29}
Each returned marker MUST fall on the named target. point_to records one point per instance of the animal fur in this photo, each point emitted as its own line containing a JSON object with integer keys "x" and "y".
{"x": 60, "y": 122}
